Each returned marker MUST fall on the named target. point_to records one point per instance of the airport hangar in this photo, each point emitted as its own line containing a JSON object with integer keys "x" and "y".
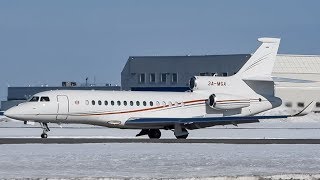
{"x": 297, "y": 75}
{"x": 296, "y": 83}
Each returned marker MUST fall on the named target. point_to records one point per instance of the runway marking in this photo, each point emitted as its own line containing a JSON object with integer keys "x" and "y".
{"x": 164, "y": 141}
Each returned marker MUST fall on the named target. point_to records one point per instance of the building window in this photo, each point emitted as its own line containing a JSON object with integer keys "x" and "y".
{"x": 163, "y": 77}
{"x": 106, "y": 103}
{"x": 99, "y": 102}
{"x": 152, "y": 78}
{"x": 174, "y": 78}
{"x": 288, "y": 104}
{"x": 300, "y": 104}
{"x": 142, "y": 78}
{"x": 93, "y": 102}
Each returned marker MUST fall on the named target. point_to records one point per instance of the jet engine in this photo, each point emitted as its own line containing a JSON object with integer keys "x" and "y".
{"x": 227, "y": 101}
{"x": 207, "y": 82}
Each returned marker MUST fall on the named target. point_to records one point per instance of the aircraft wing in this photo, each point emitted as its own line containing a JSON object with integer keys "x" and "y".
{"x": 200, "y": 122}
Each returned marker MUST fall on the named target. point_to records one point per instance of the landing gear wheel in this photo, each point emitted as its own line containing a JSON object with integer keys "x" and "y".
{"x": 45, "y": 129}
{"x": 43, "y": 135}
{"x": 154, "y": 134}
{"x": 183, "y": 136}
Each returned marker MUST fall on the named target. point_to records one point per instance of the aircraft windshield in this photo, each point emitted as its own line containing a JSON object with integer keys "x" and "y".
{"x": 34, "y": 99}
{"x": 44, "y": 98}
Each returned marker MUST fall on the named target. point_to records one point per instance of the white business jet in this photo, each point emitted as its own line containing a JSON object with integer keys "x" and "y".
{"x": 212, "y": 101}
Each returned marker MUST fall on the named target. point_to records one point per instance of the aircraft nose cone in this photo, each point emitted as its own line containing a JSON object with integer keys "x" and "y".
{"x": 11, "y": 113}
{"x": 8, "y": 113}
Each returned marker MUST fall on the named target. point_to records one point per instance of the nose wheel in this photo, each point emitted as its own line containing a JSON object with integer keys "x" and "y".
{"x": 45, "y": 129}
{"x": 43, "y": 135}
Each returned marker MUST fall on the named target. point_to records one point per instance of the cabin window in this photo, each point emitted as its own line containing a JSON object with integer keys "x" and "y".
{"x": 119, "y": 103}
{"x": 99, "y": 102}
{"x": 87, "y": 102}
{"x": 288, "y": 104}
{"x": 151, "y": 103}
{"x": 34, "y": 99}
{"x": 144, "y": 103}
{"x": 176, "y": 104}
{"x": 174, "y": 78}
{"x": 318, "y": 104}
{"x": 125, "y": 103}
{"x": 44, "y": 98}
{"x": 138, "y": 103}
{"x": 131, "y": 103}
{"x": 164, "y": 103}
{"x": 158, "y": 103}
{"x": 300, "y": 104}
{"x": 224, "y": 74}
{"x": 152, "y": 77}
{"x": 106, "y": 103}
{"x": 170, "y": 103}
{"x": 112, "y": 103}
{"x": 142, "y": 78}
{"x": 93, "y": 102}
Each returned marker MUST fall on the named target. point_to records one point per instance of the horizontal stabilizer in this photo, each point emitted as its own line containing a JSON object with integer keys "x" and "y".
{"x": 258, "y": 78}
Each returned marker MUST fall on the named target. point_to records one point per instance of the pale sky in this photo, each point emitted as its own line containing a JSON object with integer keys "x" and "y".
{"x": 46, "y": 42}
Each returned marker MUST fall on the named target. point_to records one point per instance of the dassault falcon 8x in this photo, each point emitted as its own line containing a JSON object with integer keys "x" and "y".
{"x": 212, "y": 101}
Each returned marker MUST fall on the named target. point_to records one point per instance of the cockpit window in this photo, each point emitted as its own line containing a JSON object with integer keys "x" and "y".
{"x": 34, "y": 99}
{"x": 44, "y": 98}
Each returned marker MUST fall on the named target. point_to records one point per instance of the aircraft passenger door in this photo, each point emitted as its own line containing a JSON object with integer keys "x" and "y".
{"x": 63, "y": 107}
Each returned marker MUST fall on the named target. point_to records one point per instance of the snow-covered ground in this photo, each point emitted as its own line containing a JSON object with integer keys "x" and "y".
{"x": 156, "y": 160}
{"x": 165, "y": 160}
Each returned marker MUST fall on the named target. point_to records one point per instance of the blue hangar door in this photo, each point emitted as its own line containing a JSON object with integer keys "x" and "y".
{"x": 63, "y": 107}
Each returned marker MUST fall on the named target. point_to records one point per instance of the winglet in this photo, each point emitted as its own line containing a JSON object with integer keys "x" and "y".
{"x": 306, "y": 110}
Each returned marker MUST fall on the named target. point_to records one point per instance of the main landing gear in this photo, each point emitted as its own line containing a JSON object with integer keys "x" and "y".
{"x": 45, "y": 129}
{"x": 152, "y": 133}
{"x": 179, "y": 132}
{"x": 183, "y": 135}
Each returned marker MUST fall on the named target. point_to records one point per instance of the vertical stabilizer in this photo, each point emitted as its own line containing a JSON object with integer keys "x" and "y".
{"x": 260, "y": 65}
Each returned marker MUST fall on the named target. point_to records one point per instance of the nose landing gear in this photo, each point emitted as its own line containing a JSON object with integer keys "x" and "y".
{"x": 45, "y": 129}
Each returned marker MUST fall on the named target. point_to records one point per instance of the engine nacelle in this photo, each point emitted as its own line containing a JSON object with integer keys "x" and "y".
{"x": 207, "y": 82}
{"x": 227, "y": 101}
